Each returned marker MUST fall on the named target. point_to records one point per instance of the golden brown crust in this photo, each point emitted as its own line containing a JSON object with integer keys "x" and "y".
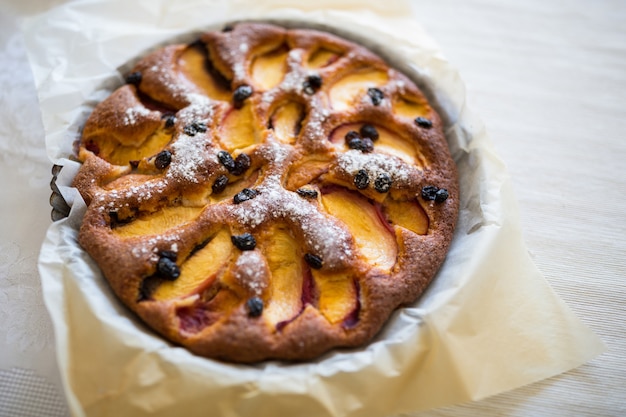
{"x": 342, "y": 232}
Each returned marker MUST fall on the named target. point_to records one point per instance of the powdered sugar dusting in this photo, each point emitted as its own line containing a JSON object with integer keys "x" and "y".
{"x": 198, "y": 110}
{"x": 132, "y": 114}
{"x": 249, "y": 272}
{"x": 323, "y": 235}
{"x": 376, "y": 164}
{"x": 189, "y": 156}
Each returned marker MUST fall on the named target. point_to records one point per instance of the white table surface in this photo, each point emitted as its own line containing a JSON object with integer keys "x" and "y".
{"x": 548, "y": 78}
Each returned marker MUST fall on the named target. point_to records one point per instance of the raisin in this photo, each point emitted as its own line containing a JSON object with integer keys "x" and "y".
{"x": 133, "y": 78}
{"x": 436, "y": 194}
{"x": 429, "y": 192}
{"x": 312, "y": 84}
{"x": 369, "y": 131}
{"x": 242, "y": 163}
{"x": 169, "y": 255}
{"x": 441, "y": 195}
{"x": 199, "y": 127}
{"x": 367, "y": 145}
{"x": 190, "y": 130}
{"x": 167, "y": 269}
{"x": 134, "y": 163}
{"x": 382, "y": 184}
{"x": 220, "y": 184}
{"x": 244, "y": 242}
{"x": 315, "y": 81}
{"x": 353, "y": 134}
{"x": 169, "y": 121}
{"x": 163, "y": 159}
{"x": 361, "y": 179}
{"x": 254, "y": 306}
{"x": 355, "y": 143}
{"x": 423, "y": 122}
{"x": 314, "y": 261}
{"x": 364, "y": 145}
{"x": 227, "y": 160}
{"x": 376, "y": 95}
{"x": 244, "y": 195}
{"x": 241, "y": 93}
{"x": 306, "y": 193}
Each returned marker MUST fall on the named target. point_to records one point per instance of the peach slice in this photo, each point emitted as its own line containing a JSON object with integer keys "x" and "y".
{"x": 200, "y": 270}
{"x": 118, "y": 154}
{"x": 345, "y": 91}
{"x": 410, "y": 109}
{"x": 338, "y": 297}
{"x": 305, "y": 171}
{"x": 285, "y": 263}
{"x": 159, "y": 222}
{"x": 286, "y": 121}
{"x": 372, "y": 235}
{"x": 237, "y": 130}
{"x": 193, "y": 318}
{"x": 407, "y": 214}
{"x": 269, "y": 69}
{"x": 322, "y": 57}
{"x": 388, "y": 142}
{"x": 192, "y": 65}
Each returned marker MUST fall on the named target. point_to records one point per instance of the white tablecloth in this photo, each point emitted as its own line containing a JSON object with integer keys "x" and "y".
{"x": 549, "y": 81}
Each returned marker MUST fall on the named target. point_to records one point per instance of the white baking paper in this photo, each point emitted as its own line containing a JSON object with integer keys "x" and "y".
{"x": 488, "y": 323}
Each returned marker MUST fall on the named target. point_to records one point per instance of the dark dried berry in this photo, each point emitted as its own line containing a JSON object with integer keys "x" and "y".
{"x": 364, "y": 145}
{"x": 133, "y": 78}
{"x": 134, "y": 163}
{"x": 199, "y": 126}
{"x": 227, "y": 160}
{"x": 441, "y": 195}
{"x": 241, "y": 93}
{"x": 429, "y": 192}
{"x": 314, "y": 261}
{"x": 367, "y": 145}
{"x": 352, "y": 135}
{"x": 254, "y": 306}
{"x": 369, "y": 131}
{"x": 242, "y": 163}
{"x": 190, "y": 130}
{"x": 355, "y": 143}
{"x": 306, "y": 193}
{"x": 376, "y": 95}
{"x": 169, "y": 254}
{"x": 314, "y": 81}
{"x": 361, "y": 179}
{"x": 169, "y": 121}
{"x": 244, "y": 242}
{"x": 423, "y": 122}
{"x": 382, "y": 184}
{"x": 312, "y": 84}
{"x": 163, "y": 159}
{"x": 220, "y": 184}
{"x": 167, "y": 269}
{"x": 244, "y": 195}
{"x": 308, "y": 89}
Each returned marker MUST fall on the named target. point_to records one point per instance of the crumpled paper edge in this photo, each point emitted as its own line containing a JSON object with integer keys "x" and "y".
{"x": 443, "y": 346}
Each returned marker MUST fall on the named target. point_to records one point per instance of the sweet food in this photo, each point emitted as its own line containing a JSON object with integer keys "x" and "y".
{"x": 266, "y": 193}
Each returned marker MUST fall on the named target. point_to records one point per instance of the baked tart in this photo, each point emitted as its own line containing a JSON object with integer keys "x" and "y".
{"x": 266, "y": 193}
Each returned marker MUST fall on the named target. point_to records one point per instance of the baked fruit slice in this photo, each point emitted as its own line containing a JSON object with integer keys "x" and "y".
{"x": 266, "y": 193}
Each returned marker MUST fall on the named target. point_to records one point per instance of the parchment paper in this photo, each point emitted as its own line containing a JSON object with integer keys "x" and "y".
{"x": 488, "y": 323}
